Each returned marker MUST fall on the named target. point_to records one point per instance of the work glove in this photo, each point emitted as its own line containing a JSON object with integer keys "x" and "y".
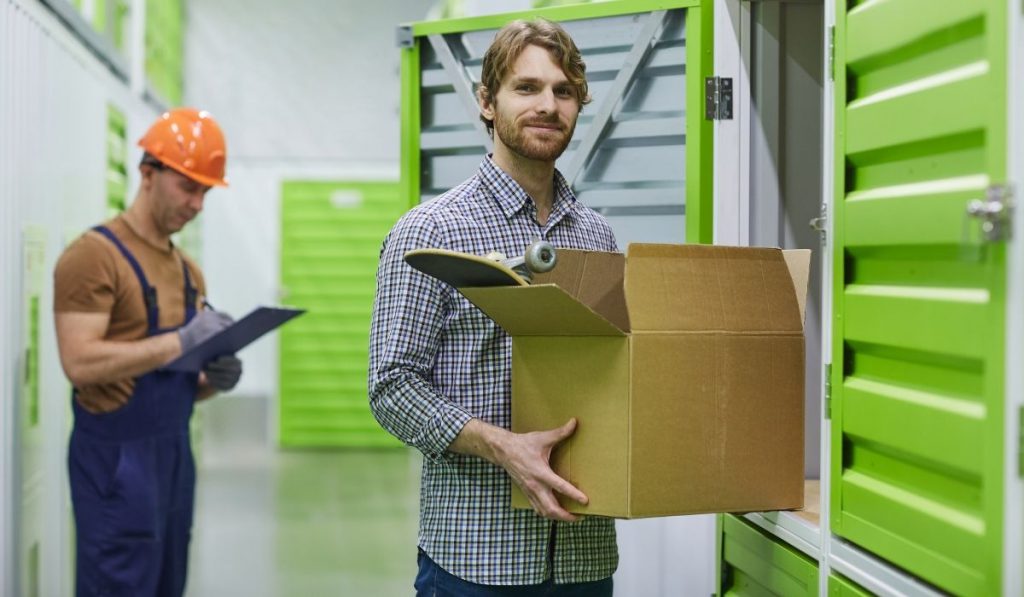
{"x": 205, "y": 324}
{"x": 223, "y": 372}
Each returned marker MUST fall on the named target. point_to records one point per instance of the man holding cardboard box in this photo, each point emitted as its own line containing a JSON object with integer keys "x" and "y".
{"x": 440, "y": 369}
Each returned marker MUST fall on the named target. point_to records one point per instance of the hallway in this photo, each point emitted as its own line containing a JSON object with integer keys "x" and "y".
{"x": 275, "y": 523}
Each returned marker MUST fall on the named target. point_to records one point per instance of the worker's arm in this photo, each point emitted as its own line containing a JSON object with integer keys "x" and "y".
{"x": 526, "y": 457}
{"x": 90, "y": 359}
{"x": 205, "y": 389}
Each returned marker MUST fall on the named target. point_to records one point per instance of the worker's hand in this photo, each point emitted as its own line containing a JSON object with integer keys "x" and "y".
{"x": 205, "y": 324}
{"x": 223, "y": 372}
{"x": 527, "y": 457}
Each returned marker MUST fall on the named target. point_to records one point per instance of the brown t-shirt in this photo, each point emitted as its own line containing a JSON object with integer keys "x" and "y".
{"x": 93, "y": 276}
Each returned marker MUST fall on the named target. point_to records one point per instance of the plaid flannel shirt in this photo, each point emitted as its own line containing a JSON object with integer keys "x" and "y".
{"x": 436, "y": 361}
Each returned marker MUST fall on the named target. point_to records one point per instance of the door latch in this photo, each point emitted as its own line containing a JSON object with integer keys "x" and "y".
{"x": 994, "y": 212}
{"x": 820, "y": 223}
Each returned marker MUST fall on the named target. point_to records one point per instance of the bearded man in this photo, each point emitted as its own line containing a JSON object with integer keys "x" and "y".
{"x": 440, "y": 370}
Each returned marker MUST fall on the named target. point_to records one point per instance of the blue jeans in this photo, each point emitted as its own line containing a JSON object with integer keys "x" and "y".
{"x": 433, "y": 581}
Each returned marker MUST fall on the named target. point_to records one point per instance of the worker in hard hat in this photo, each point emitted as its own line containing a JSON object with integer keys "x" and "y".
{"x": 128, "y": 301}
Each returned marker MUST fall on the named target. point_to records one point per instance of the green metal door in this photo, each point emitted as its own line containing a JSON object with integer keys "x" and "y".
{"x": 839, "y": 586}
{"x": 330, "y": 242}
{"x": 917, "y": 377}
{"x": 755, "y": 563}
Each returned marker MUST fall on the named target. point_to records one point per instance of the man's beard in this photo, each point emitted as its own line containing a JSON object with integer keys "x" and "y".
{"x": 530, "y": 146}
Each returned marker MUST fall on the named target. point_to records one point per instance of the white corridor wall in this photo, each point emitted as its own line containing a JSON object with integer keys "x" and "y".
{"x": 304, "y": 91}
{"x": 54, "y": 97}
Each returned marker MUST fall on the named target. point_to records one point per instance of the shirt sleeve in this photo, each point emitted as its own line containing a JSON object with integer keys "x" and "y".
{"x": 83, "y": 280}
{"x": 406, "y": 331}
{"x": 607, "y": 235}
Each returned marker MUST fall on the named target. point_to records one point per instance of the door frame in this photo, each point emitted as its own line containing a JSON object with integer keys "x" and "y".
{"x": 1013, "y": 467}
{"x": 699, "y": 60}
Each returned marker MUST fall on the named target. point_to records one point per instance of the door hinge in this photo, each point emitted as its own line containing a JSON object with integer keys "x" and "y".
{"x": 404, "y": 37}
{"x": 832, "y": 53}
{"x": 820, "y": 223}
{"x": 718, "y": 98}
{"x": 828, "y": 391}
{"x": 995, "y": 212}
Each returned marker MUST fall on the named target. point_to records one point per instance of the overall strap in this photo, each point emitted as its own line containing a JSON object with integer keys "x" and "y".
{"x": 148, "y": 292}
{"x": 191, "y": 293}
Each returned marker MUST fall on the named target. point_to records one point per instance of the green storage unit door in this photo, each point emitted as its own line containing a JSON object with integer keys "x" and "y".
{"x": 165, "y": 38}
{"x": 839, "y": 586}
{"x": 917, "y": 433}
{"x": 755, "y": 563}
{"x": 330, "y": 243}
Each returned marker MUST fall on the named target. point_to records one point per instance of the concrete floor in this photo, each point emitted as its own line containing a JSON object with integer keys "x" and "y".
{"x": 275, "y": 523}
{"x": 313, "y": 523}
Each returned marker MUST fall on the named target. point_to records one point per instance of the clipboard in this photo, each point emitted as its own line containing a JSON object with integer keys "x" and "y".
{"x": 233, "y": 338}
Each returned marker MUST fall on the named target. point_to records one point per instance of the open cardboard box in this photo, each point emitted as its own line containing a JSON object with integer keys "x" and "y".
{"x": 684, "y": 366}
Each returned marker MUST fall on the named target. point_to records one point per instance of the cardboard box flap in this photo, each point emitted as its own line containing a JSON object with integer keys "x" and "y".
{"x": 691, "y": 288}
{"x": 539, "y": 310}
{"x": 799, "y": 263}
{"x": 593, "y": 278}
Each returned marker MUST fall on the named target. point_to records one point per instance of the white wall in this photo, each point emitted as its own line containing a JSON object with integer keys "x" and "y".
{"x": 299, "y": 82}
{"x": 53, "y": 150}
{"x": 304, "y": 91}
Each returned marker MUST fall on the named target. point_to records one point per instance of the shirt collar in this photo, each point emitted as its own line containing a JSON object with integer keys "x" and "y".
{"x": 511, "y": 197}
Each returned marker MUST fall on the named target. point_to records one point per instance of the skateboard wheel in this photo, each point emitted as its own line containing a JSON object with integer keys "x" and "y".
{"x": 540, "y": 257}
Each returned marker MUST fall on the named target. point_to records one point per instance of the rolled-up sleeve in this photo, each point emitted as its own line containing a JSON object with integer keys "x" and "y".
{"x": 406, "y": 330}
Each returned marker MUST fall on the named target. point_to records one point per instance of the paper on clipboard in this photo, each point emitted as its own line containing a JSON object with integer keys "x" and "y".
{"x": 233, "y": 338}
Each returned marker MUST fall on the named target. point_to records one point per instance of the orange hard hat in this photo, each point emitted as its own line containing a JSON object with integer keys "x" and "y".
{"x": 191, "y": 142}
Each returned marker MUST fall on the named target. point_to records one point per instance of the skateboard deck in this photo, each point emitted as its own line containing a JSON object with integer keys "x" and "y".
{"x": 463, "y": 270}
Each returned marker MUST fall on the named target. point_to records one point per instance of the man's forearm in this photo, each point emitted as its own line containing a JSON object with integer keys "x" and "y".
{"x": 480, "y": 439}
{"x": 104, "y": 361}
{"x": 526, "y": 458}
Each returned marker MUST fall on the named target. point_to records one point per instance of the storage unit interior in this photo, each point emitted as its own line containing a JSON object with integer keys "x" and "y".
{"x": 786, "y": 66}
{"x": 779, "y": 552}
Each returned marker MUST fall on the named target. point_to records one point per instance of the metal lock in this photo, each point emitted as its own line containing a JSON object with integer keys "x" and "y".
{"x": 994, "y": 212}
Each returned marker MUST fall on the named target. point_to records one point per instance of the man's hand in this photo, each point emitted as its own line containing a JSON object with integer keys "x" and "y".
{"x": 526, "y": 457}
{"x": 223, "y": 373}
{"x": 205, "y": 324}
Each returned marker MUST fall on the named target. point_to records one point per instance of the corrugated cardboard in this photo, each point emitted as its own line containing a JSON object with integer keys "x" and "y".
{"x": 683, "y": 365}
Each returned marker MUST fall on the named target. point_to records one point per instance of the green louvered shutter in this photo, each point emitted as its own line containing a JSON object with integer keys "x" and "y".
{"x": 917, "y": 433}
{"x": 840, "y": 586}
{"x": 330, "y": 245}
{"x": 756, "y": 563}
{"x": 117, "y": 158}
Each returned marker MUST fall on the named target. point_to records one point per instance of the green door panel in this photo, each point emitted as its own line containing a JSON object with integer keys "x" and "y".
{"x": 839, "y": 586}
{"x": 330, "y": 242}
{"x": 919, "y": 297}
{"x": 755, "y": 563}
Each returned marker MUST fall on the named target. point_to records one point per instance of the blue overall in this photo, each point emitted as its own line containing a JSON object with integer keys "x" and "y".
{"x": 133, "y": 477}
